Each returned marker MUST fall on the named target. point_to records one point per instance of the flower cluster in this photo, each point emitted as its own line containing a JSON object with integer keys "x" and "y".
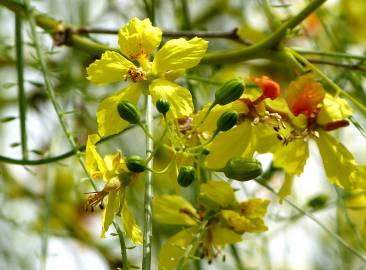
{"x": 246, "y": 118}
{"x": 219, "y": 220}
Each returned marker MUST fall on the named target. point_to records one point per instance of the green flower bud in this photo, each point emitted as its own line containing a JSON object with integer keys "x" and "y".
{"x": 128, "y": 112}
{"x": 186, "y": 176}
{"x": 227, "y": 120}
{"x": 205, "y": 152}
{"x": 229, "y": 92}
{"x": 136, "y": 164}
{"x": 318, "y": 202}
{"x": 163, "y": 106}
{"x": 243, "y": 169}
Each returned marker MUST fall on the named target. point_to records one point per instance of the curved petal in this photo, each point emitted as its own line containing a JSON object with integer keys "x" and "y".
{"x": 292, "y": 157}
{"x": 334, "y": 109}
{"x": 93, "y": 161}
{"x": 174, "y": 249}
{"x": 111, "y": 67}
{"x": 109, "y": 121}
{"x": 172, "y": 209}
{"x": 180, "y": 98}
{"x": 222, "y": 236}
{"x": 241, "y": 224}
{"x": 179, "y": 54}
{"x": 254, "y": 208}
{"x": 138, "y": 39}
{"x": 339, "y": 164}
{"x": 210, "y": 123}
{"x": 129, "y": 224}
{"x": 217, "y": 193}
{"x": 232, "y": 143}
{"x": 108, "y": 214}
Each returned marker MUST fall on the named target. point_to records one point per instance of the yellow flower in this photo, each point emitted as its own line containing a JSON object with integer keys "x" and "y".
{"x": 222, "y": 218}
{"x": 320, "y": 113}
{"x": 137, "y": 41}
{"x": 114, "y": 172}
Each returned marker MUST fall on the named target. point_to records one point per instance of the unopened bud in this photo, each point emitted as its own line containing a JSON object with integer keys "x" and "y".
{"x": 229, "y": 92}
{"x": 163, "y": 106}
{"x": 128, "y": 112}
{"x": 186, "y": 176}
{"x": 270, "y": 88}
{"x": 227, "y": 120}
{"x": 136, "y": 164}
{"x": 243, "y": 169}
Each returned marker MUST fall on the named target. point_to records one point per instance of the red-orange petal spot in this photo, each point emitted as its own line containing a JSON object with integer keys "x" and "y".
{"x": 270, "y": 88}
{"x": 304, "y": 95}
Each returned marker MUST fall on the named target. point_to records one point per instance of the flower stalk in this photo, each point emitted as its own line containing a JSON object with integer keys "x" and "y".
{"x": 146, "y": 259}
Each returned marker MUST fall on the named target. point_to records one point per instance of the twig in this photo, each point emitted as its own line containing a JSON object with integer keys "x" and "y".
{"x": 334, "y": 86}
{"x": 146, "y": 259}
{"x": 22, "y": 101}
{"x": 125, "y": 263}
{"x": 337, "y": 64}
{"x": 262, "y": 48}
{"x": 50, "y": 90}
{"x": 321, "y": 225}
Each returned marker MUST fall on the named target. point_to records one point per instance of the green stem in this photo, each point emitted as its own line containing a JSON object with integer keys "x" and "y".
{"x": 261, "y": 48}
{"x": 159, "y": 143}
{"x": 50, "y": 90}
{"x": 334, "y": 86}
{"x": 321, "y": 225}
{"x": 146, "y": 259}
{"x": 22, "y": 100}
{"x": 147, "y": 132}
{"x": 238, "y": 261}
{"x": 193, "y": 245}
{"x": 125, "y": 263}
{"x": 46, "y": 220}
{"x": 330, "y": 54}
{"x": 58, "y": 157}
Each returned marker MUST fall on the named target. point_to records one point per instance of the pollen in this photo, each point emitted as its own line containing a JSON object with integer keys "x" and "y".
{"x": 137, "y": 74}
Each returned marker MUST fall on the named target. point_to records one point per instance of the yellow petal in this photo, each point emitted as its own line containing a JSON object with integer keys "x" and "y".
{"x": 172, "y": 209}
{"x": 179, "y": 54}
{"x": 180, "y": 98}
{"x": 109, "y": 121}
{"x": 241, "y": 224}
{"x": 138, "y": 39}
{"x": 111, "y": 67}
{"x": 339, "y": 164}
{"x": 113, "y": 161}
{"x": 210, "y": 122}
{"x": 109, "y": 211}
{"x": 229, "y": 144}
{"x": 130, "y": 226}
{"x": 222, "y": 236}
{"x": 217, "y": 193}
{"x": 334, "y": 109}
{"x": 93, "y": 161}
{"x": 174, "y": 248}
{"x": 254, "y": 208}
{"x": 286, "y": 187}
{"x": 292, "y": 157}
